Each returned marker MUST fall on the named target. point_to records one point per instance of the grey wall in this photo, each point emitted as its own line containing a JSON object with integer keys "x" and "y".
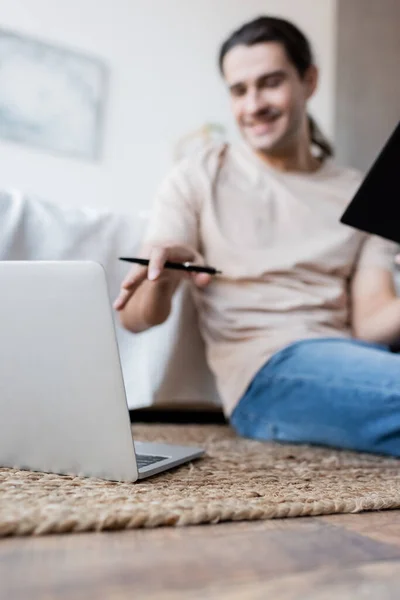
{"x": 367, "y": 78}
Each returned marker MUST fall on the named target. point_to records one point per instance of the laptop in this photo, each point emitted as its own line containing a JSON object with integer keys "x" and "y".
{"x": 62, "y": 397}
{"x": 375, "y": 208}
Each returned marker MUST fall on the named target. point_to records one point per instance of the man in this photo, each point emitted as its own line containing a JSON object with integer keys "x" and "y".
{"x": 297, "y": 287}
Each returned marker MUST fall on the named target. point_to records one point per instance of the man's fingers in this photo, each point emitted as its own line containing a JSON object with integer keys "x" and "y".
{"x": 129, "y": 285}
{"x": 136, "y": 275}
{"x": 201, "y": 279}
{"x": 157, "y": 261}
{"x": 157, "y": 258}
{"x": 122, "y": 299}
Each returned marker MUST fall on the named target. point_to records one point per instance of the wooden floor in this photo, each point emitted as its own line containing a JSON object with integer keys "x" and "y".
{"x": 346, "y": 556}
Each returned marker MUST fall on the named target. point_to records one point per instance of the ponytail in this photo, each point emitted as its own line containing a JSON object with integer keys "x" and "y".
{"x": 318, "y": 139}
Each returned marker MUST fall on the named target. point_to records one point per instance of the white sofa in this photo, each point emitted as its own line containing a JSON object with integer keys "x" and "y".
{"x": 162, "y": 367}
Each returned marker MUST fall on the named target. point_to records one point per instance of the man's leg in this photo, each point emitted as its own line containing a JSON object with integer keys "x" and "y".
{"x": 335, "y": 392}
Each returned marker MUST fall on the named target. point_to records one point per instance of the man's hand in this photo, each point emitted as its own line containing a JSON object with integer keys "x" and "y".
{"x": 155, "y": 272}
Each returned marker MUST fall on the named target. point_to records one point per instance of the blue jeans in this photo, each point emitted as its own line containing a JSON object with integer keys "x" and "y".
{"x": 334, "y": 392}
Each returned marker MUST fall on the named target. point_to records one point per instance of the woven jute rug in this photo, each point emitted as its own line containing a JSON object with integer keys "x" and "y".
{"x": 237, "y": 480}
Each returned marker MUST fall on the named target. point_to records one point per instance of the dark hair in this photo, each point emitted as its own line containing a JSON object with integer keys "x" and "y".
{"x": 297, "y": 48}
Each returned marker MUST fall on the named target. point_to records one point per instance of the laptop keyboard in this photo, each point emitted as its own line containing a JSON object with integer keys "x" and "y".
{"x": 145, "y": 460}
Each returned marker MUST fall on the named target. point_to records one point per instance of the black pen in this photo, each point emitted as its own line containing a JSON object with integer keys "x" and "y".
{"x": 186, "y": 266}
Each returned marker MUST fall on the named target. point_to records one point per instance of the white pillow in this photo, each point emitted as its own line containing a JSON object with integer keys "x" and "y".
{"x": 165, "y": 365}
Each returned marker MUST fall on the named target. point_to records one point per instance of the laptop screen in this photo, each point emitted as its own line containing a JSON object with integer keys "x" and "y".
{"x": 375, "y": 207}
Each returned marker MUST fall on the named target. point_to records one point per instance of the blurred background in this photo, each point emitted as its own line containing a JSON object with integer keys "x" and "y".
{"x": 99, "y": 97}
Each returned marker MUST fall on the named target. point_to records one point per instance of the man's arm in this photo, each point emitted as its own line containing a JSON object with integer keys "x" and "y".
{"x": 146, "y": 293}
{"x": 375, "y": 306}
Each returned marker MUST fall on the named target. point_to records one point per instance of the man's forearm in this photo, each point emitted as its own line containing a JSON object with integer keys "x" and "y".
{"x": 150, "y": 305}
{"x": 382, "y": 325}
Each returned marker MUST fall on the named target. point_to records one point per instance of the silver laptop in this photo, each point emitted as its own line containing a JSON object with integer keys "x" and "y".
{"x": 62, "y": 397}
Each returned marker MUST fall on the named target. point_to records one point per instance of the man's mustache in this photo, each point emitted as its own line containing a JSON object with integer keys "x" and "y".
{"x": 266, "y": 114}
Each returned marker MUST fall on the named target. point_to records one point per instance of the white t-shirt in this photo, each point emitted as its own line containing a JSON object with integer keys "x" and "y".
{"x": 285, "y": 258}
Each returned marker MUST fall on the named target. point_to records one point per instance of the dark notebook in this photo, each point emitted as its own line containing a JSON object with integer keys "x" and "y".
{"x": 376, "y": 206}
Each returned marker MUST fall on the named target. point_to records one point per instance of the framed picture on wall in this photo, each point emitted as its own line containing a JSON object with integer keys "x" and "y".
{"x": 51, "y": 98}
